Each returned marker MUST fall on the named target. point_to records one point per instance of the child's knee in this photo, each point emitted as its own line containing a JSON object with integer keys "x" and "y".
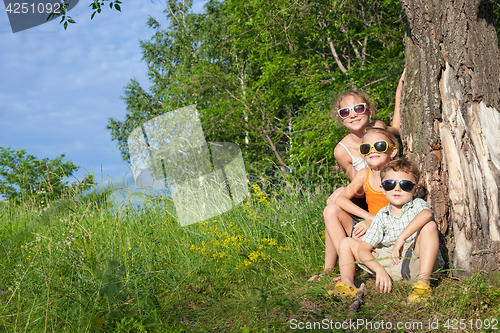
{"x": 349, "y": 244}
{"x": 428, "y": 235}
{"x": 331, "y": 210}
{"x": 430, "y": 228}
{"x": 344, "y": 244}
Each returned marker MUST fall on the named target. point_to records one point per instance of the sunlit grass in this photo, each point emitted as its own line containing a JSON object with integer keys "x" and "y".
{"x": 83, "y": 265}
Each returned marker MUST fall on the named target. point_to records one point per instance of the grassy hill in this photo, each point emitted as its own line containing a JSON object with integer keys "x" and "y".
{"x": 94, "y": 266}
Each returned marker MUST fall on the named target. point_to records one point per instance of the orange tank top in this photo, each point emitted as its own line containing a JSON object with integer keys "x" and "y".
{"x": 375, "y": 199}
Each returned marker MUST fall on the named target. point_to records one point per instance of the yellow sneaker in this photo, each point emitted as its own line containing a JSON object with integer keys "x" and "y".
{"x": 343, "y": 290}
{"x": 419, "y": 292}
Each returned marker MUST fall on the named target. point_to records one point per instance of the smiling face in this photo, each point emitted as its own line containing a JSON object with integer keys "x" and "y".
{"x": 374, "y": 158}
{"x": 397, "y": 197}
{"x": 355, "y": 122}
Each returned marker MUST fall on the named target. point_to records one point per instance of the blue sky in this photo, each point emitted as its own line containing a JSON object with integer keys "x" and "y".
{"x": 59, "y": 87}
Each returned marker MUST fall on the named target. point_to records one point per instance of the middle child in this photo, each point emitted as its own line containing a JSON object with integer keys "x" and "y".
{"x": 379, "y": 147}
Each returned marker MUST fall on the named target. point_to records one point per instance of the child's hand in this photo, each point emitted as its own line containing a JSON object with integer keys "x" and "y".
{"x": 383, "y": 281}
{"x": 402, "y": 79}
{"x": 396, "y": 251}
{"x": 360, "y": 229}
{"x": 332, "y": 198}
{"x": 334, "y": 195}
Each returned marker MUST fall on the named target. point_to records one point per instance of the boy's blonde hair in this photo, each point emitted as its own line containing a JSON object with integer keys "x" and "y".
{"x": 390, "y": 137}
{"x": 369, "y": 105}
{"x": 403, "y": 165}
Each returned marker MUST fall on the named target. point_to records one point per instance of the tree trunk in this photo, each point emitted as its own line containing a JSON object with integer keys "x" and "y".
{"x": 451, "y": 122}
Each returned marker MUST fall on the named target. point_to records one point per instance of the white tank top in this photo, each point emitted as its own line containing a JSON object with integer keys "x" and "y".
{"x": 358, "y": 163}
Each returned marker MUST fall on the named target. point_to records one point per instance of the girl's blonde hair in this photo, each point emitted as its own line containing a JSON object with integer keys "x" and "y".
{"x": 361, "y": 95}
{"x": 390, "y": 137}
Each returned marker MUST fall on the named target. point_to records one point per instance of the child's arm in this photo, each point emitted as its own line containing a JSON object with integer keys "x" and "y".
{"x": 342, "y": 157}
{"x": 344, "y": 199}
{"x": 421, "y": 219}
{"x": 395, "y": 127}
{"x": 382, "y": 279}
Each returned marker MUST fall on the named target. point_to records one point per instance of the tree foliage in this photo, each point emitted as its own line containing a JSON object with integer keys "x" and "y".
{"x": 263, "y": 74}
{"x": 496, "y": 16}
{"x": 23, "y": 175}
{"x": 96, "y": 5}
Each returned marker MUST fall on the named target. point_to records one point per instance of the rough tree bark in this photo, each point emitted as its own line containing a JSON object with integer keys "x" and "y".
{"x": 451, "y": 122}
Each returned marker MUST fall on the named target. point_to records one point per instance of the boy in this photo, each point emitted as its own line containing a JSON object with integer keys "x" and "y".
{"x": 405, "y": 228}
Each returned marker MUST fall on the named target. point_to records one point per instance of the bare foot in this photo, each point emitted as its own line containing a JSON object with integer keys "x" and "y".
{"x": 337, "y": 279}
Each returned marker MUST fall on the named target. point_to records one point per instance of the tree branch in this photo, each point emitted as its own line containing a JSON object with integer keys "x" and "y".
{"x": 335, "y": 55}
{"x": 275, "y": 151}
{"x": 358, "y": 299}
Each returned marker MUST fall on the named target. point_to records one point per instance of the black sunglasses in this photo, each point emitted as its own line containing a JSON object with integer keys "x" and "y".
{"x": 379, "y": 146}
{"x": 405, "y": 185}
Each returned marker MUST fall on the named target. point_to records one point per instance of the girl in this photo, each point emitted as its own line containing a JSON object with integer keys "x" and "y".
{"x": 378, "y": 147}
{"x": 354, "y": 112}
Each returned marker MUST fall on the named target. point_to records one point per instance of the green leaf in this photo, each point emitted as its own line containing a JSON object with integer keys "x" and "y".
{"x": 23, "y": 175}
{"x": 117, "y": 7}
{"x": 259, "y": 66}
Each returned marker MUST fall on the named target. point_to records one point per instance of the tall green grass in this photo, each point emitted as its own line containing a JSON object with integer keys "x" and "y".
{"x": 86, "y": 265}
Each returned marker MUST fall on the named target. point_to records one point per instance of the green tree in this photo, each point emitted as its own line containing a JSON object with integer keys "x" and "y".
{"x": 23, "y": 175}
{"x": 295, "y": 56}
{"x": 261, "y": 73}
{"x": 356, "y": 45}
{"x": 170, "y": 56}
